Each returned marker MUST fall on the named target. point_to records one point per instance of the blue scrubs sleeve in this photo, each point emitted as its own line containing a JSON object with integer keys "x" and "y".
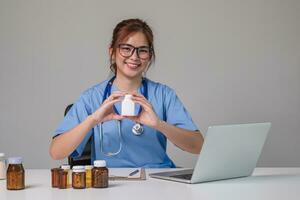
{"x": 78, "y": 113}
{"x": 176, "y": 113}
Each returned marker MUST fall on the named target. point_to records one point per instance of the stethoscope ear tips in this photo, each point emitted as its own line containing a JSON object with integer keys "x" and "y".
{"x": 137, "y": 129}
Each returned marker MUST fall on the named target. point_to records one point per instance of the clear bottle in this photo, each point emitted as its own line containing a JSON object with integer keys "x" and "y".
{"x": 67, "y": 168}
{"x": 55, "y": 176}
{"x": 78, "y": 177}
{"x": 88, "y": 171}
{"x": 15, "y": 174}
{"x": 100, "y": 174}
{"x": 2, "y": 166}
{"x": 127, "y": 108}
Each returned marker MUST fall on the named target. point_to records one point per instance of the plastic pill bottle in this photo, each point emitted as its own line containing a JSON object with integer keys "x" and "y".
{"x": 127, "y": 108}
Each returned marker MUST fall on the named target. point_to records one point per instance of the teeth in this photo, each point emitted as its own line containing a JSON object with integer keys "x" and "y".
{"x": 132, "y": 65}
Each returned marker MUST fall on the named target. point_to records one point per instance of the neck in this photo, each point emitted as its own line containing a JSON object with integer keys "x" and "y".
{"x": 126, "y": 84}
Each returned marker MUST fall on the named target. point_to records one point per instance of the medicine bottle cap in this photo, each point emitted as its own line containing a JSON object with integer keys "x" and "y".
{"x": 78, "y": 167}
{"x": 89, "y": 167}
{"x": 15, "y": 160}
{"x": 100, "y": 163}
{"x": 78, "y": 170}
{"x": 2, "y": 155}
{"x": 128, "y": 97}
{"x": 65, "y": 167}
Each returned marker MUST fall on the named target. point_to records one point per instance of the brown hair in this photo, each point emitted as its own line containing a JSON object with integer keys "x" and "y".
{"x": 123, "y": 30}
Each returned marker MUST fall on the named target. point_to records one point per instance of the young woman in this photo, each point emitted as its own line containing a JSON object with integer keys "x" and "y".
{"x": 125, "y": 141}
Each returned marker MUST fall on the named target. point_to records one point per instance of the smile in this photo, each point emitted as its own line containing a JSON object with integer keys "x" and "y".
{"x": 133, "y": 65}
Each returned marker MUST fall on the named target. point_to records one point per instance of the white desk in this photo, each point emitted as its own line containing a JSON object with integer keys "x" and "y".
{"x": 266, "y": 183}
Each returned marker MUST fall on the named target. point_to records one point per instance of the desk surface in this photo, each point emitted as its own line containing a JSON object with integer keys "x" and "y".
{"x": 266, "y": 183}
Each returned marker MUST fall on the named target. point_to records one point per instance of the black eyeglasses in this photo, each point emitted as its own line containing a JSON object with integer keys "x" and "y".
{"x": 127, "y": 50}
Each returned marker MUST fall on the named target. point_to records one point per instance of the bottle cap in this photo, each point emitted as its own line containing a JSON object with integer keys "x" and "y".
{"x": 15, "y": 160}
{"x": 128, "y": 97}
{"x": 78, "y": 170}
{"x": 65, "y": 167}
{"x": 2, "y": 155}
{"x": 100, "y": 163}
{"x": 78, "y": 167}
{"x": 89, "y": 167}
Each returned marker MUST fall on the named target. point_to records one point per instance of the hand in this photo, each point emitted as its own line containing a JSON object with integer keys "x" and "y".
{"x": 147, "y": 115}
{"x": 106, "y": 112}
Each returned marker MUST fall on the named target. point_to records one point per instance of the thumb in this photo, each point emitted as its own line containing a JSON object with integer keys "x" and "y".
{"x": 117, "y": 117}
{"x": 133, "y": 118}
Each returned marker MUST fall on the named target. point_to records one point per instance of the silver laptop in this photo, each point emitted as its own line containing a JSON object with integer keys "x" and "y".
{"x": 229, "y": 151}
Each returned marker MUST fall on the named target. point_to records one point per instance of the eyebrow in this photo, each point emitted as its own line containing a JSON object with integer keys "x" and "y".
{"x": 134, "y": 46}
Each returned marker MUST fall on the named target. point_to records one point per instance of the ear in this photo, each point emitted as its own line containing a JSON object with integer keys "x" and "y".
{"x": 111, "y": 53}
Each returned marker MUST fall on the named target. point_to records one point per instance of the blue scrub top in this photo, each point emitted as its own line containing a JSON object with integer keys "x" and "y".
{"x": 147, "y": 150}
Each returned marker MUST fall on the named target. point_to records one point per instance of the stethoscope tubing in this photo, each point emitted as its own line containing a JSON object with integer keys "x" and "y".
{"x": 137, "y": 132}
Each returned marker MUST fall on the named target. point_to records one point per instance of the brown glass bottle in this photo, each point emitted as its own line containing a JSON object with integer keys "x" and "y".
{"x": 100, "y": 174}
{"x": 67, "y": 168}
{"x": 15, "y": 174}
{"x": 63, "y": 179}
{"x": 55, "y": 177}
{"x": 78, "y": 177}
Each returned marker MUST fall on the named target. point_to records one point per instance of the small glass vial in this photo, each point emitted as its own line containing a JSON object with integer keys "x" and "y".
{"x": 127, "y": 108}
{"x": 55, "y": 176}
{"x": 78, "y": 177}
{"x": 15, "y": 174}
{"x": 100, "y": 174}
{"x": 88, "y": 171}
{"x": 67, "y": 168}
{"x": 63, "y": 179}
{"x": 2, "y": 166}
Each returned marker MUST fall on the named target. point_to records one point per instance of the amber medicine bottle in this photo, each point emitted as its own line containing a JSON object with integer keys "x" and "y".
{"x": 55, "y": 177}
{"x": 100, "y": 174}
{"x": 15, "y": 174}
{"x": 67, "y": 168}
{"x": 78, "y": 177}
{"x": 63, "y": 179}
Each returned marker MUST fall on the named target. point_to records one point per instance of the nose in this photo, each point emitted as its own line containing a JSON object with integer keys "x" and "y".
{"x": 135, "y": 55}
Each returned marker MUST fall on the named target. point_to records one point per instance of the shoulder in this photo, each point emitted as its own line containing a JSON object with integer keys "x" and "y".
{"x": 94, "y": 92}
{"x": 157, "y": 87}
{"x": 97, "y": 88}
{"x": 160, "y": 93}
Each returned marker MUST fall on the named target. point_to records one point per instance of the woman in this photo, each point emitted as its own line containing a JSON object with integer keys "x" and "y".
{"x": 160, "y": 112}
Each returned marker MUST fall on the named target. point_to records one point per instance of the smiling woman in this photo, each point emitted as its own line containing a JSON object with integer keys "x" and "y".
{"x": 158, "y": 111}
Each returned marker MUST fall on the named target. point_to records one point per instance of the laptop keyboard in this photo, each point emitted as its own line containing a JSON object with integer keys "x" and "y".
{"x": 183, "y": 176}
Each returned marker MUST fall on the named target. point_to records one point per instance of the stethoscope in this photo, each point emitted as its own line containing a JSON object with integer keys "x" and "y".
{"x": 137, "y": 129}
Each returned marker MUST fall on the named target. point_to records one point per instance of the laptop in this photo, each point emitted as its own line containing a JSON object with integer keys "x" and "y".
{"x": 228, "y": 151}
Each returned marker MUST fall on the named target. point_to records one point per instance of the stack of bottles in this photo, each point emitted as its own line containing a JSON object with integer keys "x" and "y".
{"x": 81, "y": 177}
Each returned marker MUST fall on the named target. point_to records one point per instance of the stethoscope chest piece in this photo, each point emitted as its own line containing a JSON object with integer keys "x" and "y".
{"x": 137, "y": 129}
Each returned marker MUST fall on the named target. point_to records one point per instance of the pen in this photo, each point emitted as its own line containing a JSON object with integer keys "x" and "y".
{"x": 134, "y": 172}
